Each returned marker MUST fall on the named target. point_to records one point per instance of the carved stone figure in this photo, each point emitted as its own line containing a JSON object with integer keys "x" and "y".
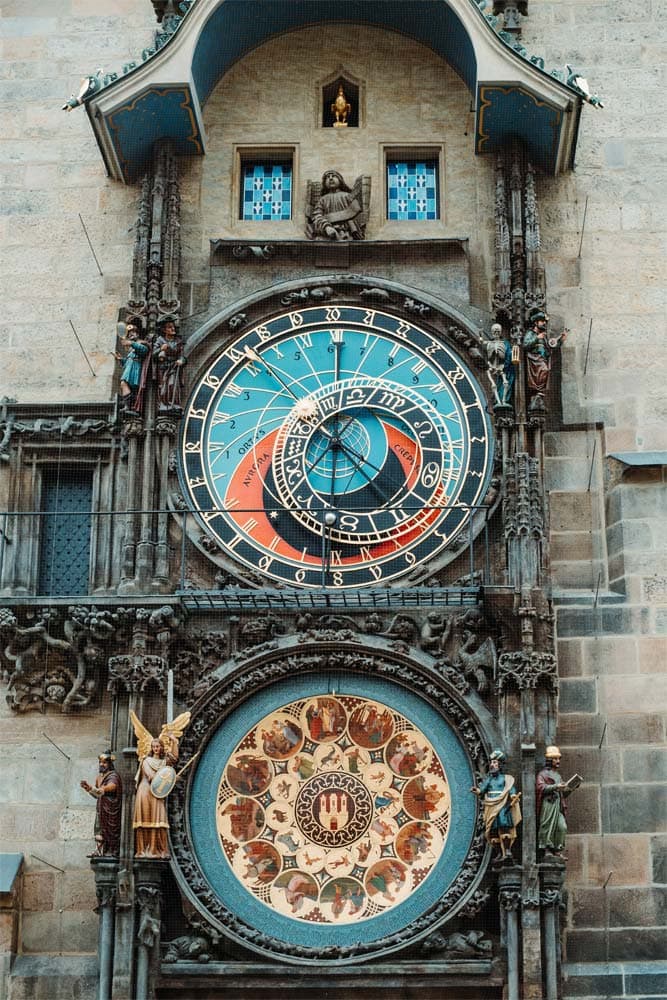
{"x": 169, "y": 360}
{"x": 436, "y": 631}
{"x": 51, "y": 670}
{"x": 189, "y": 948}
{"x": 540, "y": 349}
{"x": 133, "y": 375}
{"x": 500, "y": 802}
{"x": 458, "y": 945}
{"x": 108, "y": 790}
{"x": 479, "y": 662}
{"x": 156, "y": 760}
{"x": 336, "y": 212}
{"x": 550, "y": 795}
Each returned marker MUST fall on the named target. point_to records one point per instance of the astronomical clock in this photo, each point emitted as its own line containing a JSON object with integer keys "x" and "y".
{"x": 333, "y": 449}
{"x": 338, "y": 446}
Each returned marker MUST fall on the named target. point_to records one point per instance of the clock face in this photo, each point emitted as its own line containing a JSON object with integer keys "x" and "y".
{"x": 337, "y": 446}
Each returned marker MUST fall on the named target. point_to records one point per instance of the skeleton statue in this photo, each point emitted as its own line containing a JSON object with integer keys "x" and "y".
{"x": 500, "y": 365}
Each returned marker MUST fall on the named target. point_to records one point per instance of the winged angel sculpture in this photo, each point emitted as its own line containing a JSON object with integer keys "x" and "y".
{"x": 155, "y": 778}
{"x": 335, "y": 211}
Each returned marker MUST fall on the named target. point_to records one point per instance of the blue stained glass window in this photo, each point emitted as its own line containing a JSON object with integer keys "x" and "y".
{"x": 67, "y": 497}
{"x": 267, "y": 192}
{"x": 412, "y": 190}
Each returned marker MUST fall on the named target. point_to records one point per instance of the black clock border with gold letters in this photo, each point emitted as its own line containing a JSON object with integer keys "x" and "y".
{"x": 433, "y": 520}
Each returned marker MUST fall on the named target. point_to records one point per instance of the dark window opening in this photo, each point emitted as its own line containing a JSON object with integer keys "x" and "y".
{"x": 64, "y": 556}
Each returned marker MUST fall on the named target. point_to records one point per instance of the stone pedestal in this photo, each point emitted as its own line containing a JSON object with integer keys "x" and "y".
{"x": 106, "y": 880}
{"x": 552, "y": 875}
{"x": 509, "y": 892}
{"x": 148, "y": 889}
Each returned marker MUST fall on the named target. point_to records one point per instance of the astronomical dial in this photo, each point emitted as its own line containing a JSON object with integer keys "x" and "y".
{"x": 337, "y": 446}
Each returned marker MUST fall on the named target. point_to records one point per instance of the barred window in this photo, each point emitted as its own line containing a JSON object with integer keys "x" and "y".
{"x": 64, "y": 554}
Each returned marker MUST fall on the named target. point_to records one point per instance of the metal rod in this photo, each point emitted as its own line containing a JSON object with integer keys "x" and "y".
{"x": 590, "y": 473}
{"x": 56, "y": 746}
{"x": 48, "y": 863}
{"x": 588, "y": 344}
{"x": 185, "y": 514}
{"x": 597, "y": 590}
{"x": 92, "y": 249}
{"x": 604, "y": 730}
{"x": 83, "y": 350}
{"x": 237, "y": 510}
{"x": 583, "y": 226}
{"x": 607, "y": 879}
{"x": 170, "y": 695}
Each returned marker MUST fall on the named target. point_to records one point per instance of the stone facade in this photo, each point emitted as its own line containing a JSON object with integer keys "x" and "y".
{"x": 603, "y": 241}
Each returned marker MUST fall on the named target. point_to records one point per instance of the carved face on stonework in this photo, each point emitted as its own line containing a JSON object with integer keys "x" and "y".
{"x": 157, "y": 749}
{"x": 331, "y": 181}
{"x": 169, "y": 331}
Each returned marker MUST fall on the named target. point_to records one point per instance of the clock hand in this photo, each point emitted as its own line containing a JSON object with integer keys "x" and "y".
{"x": 334, "y": 443}
{"x": 357, "y": 462}
{"x": 337, "y": 336}
{"x": 252, "y": 355}
{"x": 352, "y": 452}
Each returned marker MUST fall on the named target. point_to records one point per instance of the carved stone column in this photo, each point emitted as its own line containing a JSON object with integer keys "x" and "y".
{"x": 154, "y": 296}
{"x": 106, "y": 876}
{"x": 509, "y": 884}
{"x": 551, "y": 883}
{"x": 148, "y": 888}
{"x": 523, "y": 518}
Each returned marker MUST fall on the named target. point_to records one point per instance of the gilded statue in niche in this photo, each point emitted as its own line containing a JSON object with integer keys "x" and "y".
{"x": 134, "y": 361}
{"x": 551, "y": 793}
{"x": 169, "y": 359}
{"x": 341, "y": 108}
{"x": 336, "y": 212}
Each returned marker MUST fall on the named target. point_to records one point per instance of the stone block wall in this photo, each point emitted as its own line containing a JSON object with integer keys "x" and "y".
{"x": 612, "y": 730}
{"x": 604, "y": 237}
{"x": 47, "y": 817}
{"x": 51, "y": 172}
{"x": 609, "y": 268}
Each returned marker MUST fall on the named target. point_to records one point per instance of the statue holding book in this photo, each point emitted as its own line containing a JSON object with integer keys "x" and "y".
{"x": 551, "y": 793}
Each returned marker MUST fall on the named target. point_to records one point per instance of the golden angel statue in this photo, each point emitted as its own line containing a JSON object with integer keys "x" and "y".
{"x": 155, "y": 778}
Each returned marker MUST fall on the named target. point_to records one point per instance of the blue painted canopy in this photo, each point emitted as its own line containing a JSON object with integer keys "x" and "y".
{"x": 163, "y": 98}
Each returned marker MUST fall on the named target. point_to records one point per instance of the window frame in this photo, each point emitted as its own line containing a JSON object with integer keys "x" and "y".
{"x": 278, "y": 153}
{"x": 411, "y": 152}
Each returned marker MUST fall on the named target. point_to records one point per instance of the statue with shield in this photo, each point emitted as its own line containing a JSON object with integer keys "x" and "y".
{"x": 155, "y": 779}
